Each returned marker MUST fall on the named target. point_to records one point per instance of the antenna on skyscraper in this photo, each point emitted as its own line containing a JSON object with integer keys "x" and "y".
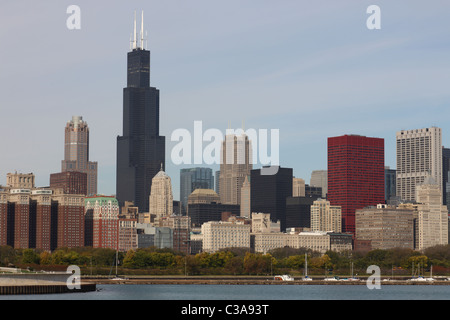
{"x": 142, "y": 30}
{"x": 135, "y": 35}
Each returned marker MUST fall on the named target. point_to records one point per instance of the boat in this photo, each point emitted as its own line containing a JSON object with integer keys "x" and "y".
{"x": 284, "y": 277}
{"x": 331, "y": 279}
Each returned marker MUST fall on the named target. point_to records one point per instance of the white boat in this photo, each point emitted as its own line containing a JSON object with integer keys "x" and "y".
{"x": 331, "y": 279}
{"x": 284, "y": 277}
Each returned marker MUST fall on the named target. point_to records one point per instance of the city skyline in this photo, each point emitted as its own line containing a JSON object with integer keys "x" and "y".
{"x": 312, "y": 72}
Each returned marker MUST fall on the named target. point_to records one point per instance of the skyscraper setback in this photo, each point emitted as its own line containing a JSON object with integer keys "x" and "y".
{"x": 140, "y": 150}
{"x": 355, "y": 175}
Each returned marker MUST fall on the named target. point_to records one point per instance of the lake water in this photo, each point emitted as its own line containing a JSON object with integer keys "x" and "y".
{"x": 251, "y": 292}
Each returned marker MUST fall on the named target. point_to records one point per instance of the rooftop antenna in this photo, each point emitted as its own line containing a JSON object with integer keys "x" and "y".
{"x": 135, "y": 35}
{"x": 142, "y": 30}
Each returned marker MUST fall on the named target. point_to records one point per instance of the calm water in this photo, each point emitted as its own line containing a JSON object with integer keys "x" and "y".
{"x": 251, "y": 292}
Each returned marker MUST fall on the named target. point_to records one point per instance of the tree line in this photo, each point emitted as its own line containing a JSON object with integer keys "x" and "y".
{"x": 232, "y": 261}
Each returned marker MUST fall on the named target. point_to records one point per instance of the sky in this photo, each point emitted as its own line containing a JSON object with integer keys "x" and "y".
{"x": 311, "y": 69}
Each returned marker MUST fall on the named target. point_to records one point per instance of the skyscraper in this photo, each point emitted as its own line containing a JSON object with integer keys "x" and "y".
{"x": 319, "y": 178}
{"x": 419, "y": 155}
{"x": 76, "y": 152}
{"x": 192, "y": 179}
{"x": 161, "y": 197}
{"x": 235, "y": 165}
{"x": 355, "y": 175}
{"x": 445, "y": 174}
{"x": 269, "y": 193}
{"x": 140, "y": 150}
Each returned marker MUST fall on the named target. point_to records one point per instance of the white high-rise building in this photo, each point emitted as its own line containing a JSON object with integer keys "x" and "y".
{"x": 161, "y": 197}
{"x": 419, "y": 155}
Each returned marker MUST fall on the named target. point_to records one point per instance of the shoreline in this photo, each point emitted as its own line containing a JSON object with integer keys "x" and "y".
{"x": 248, "y": 281}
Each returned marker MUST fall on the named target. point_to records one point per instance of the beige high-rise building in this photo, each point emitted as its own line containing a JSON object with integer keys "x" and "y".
{"x": 76, "y": 152}
{"x": 419, "y": 155}
{"x": 161, "y": 197}
{"x": 385, "y": 227}
{"x": 245, "y": 198}
{"x": 298, "y": 187}
{"x": 432, "y": 216}
{"x": 325, "y": 217}
{"x": 319, "y": 178}
{"x": 235, "y": 165}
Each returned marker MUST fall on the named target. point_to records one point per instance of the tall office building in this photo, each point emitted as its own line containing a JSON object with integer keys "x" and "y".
{"x": 355, "y": 175}
{"x": 390, "y": 182}
{"x": 319, "y": 178}
{"x": 192, "y": 179}
{"x": 245, "y": 198}
{"x": 161, "y": 197}
{"x": 419, "y": 155}
{"x": 76, "y": 152}
{"x": 269, "y": 193}
{"x": 140, "y": 150}
{"x": 298, "y": 187}
{"x": 235, "y": 165}
{"x": 432, "y": 216}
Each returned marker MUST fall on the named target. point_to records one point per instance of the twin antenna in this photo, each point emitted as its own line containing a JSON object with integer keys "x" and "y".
{"x": 133, "y": 38}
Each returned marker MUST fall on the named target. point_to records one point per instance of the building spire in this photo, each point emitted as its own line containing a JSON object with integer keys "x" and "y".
{"x": 142, "y": 30}
{"x": 134, "y": 34}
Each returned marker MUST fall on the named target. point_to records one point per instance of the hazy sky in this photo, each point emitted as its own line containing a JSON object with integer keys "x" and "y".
{"x": 311, "y": 69}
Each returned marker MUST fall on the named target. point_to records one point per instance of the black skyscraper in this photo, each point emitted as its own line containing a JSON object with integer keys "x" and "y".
{"x": 269, "y": 193}
{"x": 141, "y": 150}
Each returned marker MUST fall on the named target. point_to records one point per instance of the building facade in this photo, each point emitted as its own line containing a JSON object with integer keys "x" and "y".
{"x": 161, "y": 197}
{"x": 269, "y": 193}
{"x": 355, "y": 175}
{"x": 76, "y": 153}
{"x": 220, "y": 235}
{"x": 235, "y": 164}
{"x": 192, "y": 179}
{"x": 105, "y": 221}
{"x": 385, "y": 227}
{"x": 319, "y": 178}
{"x": 325, "y": 217}
{"x": 419, "y": 155}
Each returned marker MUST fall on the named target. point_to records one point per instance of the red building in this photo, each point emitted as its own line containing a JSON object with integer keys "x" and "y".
{"x": 72, "y": 182}
{"x": 355, "y": 175}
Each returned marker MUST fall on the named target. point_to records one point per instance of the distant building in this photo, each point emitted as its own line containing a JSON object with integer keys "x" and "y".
{"x": 355, "y": 175}
{"x": 432, "y": 218}
{"x": 390, "y": 184}
{"x": 76, "y": 153}
{"x": 269, "y": 193}
{"x": 71, "y": 182}
{"x": 204, "y": 212}
{"x": 127, "y": 234}
{"x": 298, "y": 212}
{"x": 325, "y": 217}
{"x": 385, "y": 227}
{"x": 246, "y": 198}
{"x": 235, "y": 165}
{"x": 419, "y": 155}
{"x": 445, "y": 175}
{"x": 105, "y": 221}
{"x": 150, "y": 236}
{"x": 161, "y": 197}
{"x": 319, "y": 178}
{"x": 203, "y": 196}
{"x": 220, "y": 235}
{"x": 298, "y": 187}
{"x": 192, "y": 179}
